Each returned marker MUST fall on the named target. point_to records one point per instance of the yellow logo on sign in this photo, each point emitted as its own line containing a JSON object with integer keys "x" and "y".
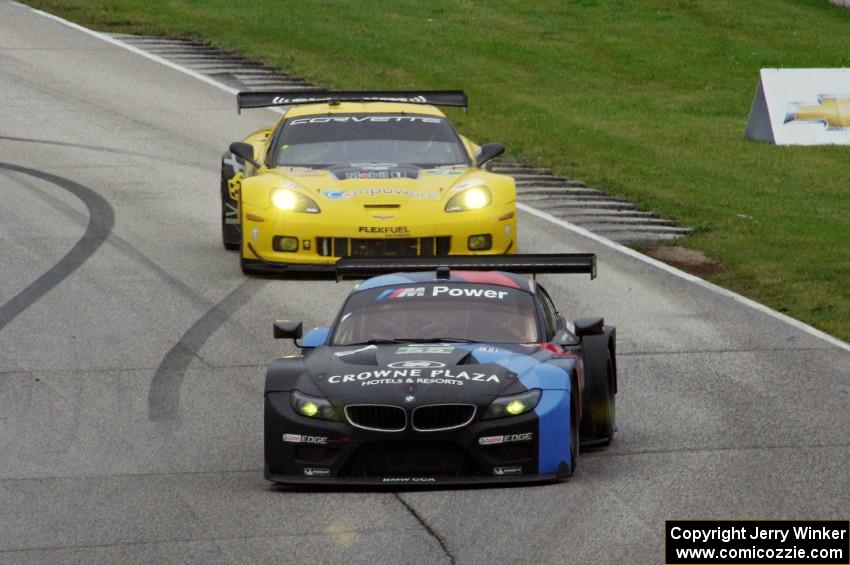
{"x": 831, "y": 111}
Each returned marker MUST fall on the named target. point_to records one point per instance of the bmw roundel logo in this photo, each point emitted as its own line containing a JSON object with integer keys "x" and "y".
{"x": 409, "y": 398}
{"x": 416, "y": 365}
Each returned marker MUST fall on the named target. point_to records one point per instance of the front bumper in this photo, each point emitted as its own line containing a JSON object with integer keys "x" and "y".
{"x": 308, "y": 451}
{"x": 414, "y": 481}
{"x": 323, "y": 238}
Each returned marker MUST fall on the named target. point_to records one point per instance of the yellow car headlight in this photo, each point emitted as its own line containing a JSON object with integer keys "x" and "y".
{"x": 292, "y": 201}
{"x": 314, "y": 407}
{"x": 507, "y": 406}
{"x": 470, "y": 199}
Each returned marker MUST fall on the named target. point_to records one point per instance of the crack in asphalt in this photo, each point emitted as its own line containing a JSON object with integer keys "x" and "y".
{"x": 431, "y": 531}
{"x": 100, "y": 224}
{"x": 601, "y": 455}
{"x": 187, "y": 540}
{"x": 101, "y": 149}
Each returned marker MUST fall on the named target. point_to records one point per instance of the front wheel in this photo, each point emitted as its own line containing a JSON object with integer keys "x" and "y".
{"x": 247, "y": 269}
{"x": 231, "y": 231}
{"x": 574, "y": 435}
{"x": 598, "y": 404}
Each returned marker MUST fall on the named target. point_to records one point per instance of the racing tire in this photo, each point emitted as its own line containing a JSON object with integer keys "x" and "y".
{"x": 246, "y": 270}
{"x": 231, "y": 234}
{"x": 598, "y": 402}
{"x": 574, "y": 436}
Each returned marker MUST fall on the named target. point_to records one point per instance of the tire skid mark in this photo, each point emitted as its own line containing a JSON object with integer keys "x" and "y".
{"x": 164, "y": 392}
{"x": 100, "y": 223}
{"x": 123, "y": 246}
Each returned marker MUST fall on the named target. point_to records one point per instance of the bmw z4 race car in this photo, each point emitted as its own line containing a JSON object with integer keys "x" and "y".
{"x": 442, "y": 374}
{"x": 361, "y": 174}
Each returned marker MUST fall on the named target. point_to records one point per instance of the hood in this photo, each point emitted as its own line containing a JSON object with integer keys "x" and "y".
{"x": 383, "y": 185}
{"x": 415, "y": 375}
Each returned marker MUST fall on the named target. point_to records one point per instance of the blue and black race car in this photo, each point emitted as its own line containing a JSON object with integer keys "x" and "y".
{"x": 448, "y": 372}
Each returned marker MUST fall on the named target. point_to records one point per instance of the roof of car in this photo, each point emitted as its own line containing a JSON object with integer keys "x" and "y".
{"x": 363, "y": 108}
{"x": 496, "y": 278}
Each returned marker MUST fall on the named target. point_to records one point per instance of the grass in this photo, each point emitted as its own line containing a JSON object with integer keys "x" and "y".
{"x": 647, "y": 99}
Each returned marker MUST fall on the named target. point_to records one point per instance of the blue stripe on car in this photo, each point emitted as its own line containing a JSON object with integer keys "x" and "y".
{"x": 546, "y": 376}
{"x": 553, "y": 413}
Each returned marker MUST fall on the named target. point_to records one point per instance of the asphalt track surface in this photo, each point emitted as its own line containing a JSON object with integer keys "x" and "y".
{"x": 132, "y": 357}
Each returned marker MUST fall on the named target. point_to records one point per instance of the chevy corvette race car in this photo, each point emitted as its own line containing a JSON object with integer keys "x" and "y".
{"x": 443, "y": 374}
{"x": 363, "y": 174}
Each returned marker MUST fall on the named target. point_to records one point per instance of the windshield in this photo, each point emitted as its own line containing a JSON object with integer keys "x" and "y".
{"x": 431, "y": 312}
{"x": 327, "y": 140}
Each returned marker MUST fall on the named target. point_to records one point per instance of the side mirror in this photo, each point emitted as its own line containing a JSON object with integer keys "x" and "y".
{"x": 315, "y": 337}
{"x": 589, "y": 326}
{"x": 287, "y": 329}
{"x": 244, "y": 151}
{"x": 487, "y": 152}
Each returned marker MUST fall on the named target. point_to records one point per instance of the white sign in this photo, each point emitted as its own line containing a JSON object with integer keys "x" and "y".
{"x": 801, "y": 107}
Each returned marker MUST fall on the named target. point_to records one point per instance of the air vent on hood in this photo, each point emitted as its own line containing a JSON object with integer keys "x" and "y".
{"x": 378, "y": 417}
{"x": 436, "y": 417}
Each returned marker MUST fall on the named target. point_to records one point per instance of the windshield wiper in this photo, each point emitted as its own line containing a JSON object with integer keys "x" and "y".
{"x": 403, "y": 340}
{"x": 439, "y": 165}
{"x": 373, "y": 342}
{"x": 440, "y": 340}
{"x": 314, "y": 166}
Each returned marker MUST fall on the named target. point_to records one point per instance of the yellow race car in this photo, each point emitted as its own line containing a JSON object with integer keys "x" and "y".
{"x": 361, "y": 174}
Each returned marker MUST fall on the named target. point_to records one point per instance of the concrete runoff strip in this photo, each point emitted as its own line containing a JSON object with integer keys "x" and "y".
{"x": 525, "y": 207}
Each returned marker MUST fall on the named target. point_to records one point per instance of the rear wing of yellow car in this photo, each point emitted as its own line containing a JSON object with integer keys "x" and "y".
{"x": 569, "y": 263}
{"x": 266, "y": 99}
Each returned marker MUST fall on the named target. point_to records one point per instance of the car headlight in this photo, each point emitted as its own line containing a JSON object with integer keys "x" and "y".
{"x": 314, "y": 407}
{"x": 292, "y": 201}
{"x": 514, "y": 405}
{"x": 470, "y": 199}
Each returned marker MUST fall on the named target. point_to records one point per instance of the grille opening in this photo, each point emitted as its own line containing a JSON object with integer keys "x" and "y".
{"x": 434, "y": 459}
{"x": 377, "y": 417}
{"x": 442, "y": 416}
{"x": 390, "y": 247}
{"x": 512, "y": 453}
{"x": 316, "y": 453}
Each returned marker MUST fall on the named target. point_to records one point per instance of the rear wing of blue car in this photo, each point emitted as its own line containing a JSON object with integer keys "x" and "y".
{"x": 533, "y": 264}
{"x": 268, "y": 99}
